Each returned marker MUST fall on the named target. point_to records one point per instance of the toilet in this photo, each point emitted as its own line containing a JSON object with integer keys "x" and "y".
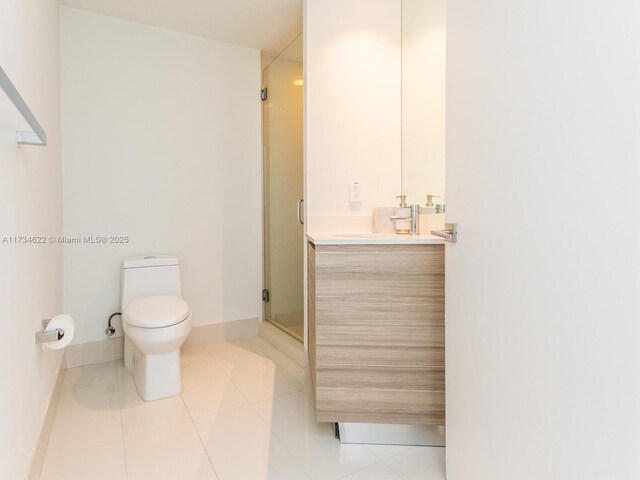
{"x": 156, "y": 322}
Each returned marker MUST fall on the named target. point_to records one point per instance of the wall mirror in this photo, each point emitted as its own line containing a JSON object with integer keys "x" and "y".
{"x": 423, "y": 99}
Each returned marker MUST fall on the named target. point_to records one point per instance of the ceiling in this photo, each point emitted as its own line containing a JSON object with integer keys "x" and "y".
{"x": 268, "y": 25}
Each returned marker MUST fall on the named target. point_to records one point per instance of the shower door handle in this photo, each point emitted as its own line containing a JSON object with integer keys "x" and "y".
{"x": 300, "y": 221}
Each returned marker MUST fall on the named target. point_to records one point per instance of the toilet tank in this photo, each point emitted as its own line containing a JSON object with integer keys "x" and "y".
{"x": 148, "y": 275}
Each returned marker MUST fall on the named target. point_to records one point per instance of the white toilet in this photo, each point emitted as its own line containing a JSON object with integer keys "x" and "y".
{"x": 156, "y": 322}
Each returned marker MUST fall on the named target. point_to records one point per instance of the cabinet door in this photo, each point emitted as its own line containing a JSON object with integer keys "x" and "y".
{"x": 379, "y": 333}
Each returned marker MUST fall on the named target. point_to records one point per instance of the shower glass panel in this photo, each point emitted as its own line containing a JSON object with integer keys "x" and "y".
{"x": 283, "y": 190}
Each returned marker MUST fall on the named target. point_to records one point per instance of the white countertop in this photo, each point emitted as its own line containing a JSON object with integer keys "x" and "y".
{"x": 371, "y": 239}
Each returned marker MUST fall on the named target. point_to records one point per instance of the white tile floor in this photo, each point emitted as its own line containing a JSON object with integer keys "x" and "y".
{"x": 246, "y": 413}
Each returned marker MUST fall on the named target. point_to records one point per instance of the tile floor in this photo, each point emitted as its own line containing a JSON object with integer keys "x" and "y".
{"x": 246, "y": 413}
{"x": 292, "y": 322}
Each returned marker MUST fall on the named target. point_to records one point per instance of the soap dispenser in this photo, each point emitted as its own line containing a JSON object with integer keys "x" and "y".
{"x": 402, "y": 217}
{"x": 430, "y": 207}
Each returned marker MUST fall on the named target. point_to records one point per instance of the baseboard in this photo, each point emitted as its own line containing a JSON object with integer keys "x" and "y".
{"x": 40, "y": 451}
{"x": 112, "y": 349}
{"x": 106, "y": 350}
{"x": 291, "y": 347}
{"x": 387, "y": 434}
{"x": 217, "y": 332}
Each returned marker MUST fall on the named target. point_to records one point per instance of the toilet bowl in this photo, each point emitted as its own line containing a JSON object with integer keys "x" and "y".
{"x": 156, "y": 322}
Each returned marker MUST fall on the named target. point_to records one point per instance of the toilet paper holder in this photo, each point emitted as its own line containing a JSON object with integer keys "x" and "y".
{"x": 50, "y": 336}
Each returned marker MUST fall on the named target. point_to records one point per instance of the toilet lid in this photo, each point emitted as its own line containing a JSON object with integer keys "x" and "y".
{"x": 157, "y": 311}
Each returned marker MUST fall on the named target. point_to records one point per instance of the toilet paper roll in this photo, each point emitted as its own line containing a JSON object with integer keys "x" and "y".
{"x": 66, "y": 323}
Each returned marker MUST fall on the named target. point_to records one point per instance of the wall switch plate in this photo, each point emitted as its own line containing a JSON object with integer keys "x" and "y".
{"x": 354, "y": 192}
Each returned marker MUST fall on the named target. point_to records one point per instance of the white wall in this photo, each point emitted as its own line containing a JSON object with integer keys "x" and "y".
{"x": 352, "y": 108}
{"x": 543, "y": 287}
{"x": 424, "y": 32}
{"x": 30, "y": 204}
{"x": 162, "y": 144}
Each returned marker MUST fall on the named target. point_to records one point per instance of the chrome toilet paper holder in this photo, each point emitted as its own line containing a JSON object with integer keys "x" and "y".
{"x": 50, "y": 336}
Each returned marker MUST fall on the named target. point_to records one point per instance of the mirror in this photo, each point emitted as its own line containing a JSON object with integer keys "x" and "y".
{"x": 423, "y": 99}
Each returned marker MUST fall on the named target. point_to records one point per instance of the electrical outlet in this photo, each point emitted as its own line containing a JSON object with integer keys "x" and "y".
{"x": 354, "y": 192}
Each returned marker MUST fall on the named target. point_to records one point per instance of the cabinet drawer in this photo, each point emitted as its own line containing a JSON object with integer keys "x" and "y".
{"x": 380, "y": 356}
{"x": 380, "y": 406}
{"x": 379, "y": 260}
{"x": 392, "y": 345}
{"x": 385, "y": 377}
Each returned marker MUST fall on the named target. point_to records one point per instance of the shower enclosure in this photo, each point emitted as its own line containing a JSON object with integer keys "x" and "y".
{"x": 283, "y": 190}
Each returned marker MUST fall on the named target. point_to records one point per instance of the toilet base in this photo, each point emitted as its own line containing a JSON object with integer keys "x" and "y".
{"x": 153, "y": 356}
{"x": 157, "y": 376}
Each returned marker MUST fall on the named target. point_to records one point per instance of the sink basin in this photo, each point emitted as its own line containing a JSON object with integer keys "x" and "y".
{"x": 366, "y": 235}
{"x": 366, "y": 238}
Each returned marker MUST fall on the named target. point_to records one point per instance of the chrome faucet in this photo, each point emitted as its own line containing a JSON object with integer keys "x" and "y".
{"x": 413, "y": 219}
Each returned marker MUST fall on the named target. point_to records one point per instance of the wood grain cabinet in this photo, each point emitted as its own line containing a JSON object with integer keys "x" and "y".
{"x": 376, "y": 332}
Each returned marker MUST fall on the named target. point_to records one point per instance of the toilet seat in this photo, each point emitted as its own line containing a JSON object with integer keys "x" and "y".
{"x": 156, "y": 311}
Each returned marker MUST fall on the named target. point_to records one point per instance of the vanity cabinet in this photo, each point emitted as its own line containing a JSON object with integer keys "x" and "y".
{"x": 376, "y": 332}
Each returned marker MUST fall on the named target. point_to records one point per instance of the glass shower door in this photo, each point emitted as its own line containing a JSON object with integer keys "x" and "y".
{"x": 283, "y": 190}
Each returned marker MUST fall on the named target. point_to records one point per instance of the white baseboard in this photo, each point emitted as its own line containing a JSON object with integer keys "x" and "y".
{"x": 388, "y": 434}
{"x": 37, "y": 460}
{"x": 106, "y": 350}
{"x": 217, "y": 332}
{"x": 111, "y": 349}
{"x": 291, "y": 347}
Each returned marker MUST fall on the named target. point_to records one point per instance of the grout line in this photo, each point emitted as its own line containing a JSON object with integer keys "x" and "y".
{"x": 124, "y": 450}
{"x": 185, "y": 405}
{"x": 124, "y": 454}
{"x": 101, "y": 384}
{"x": 158, "y": 429}
{"x": 295, "y": 460}
{"x": 425, "y": 447}
{"x": 248, "y": 352}
{"x": 389, "y": 456}
{"x": 219, "y": 411}
{"x": 236, "y": 386}
{"x": 281, "y": 441}
{"x": 277, "y": 438}
{"x": 229, "y": 376}
{"x": 84, "y": 449}
{"x": 274, "y": 398}
{"x": 187, "y": 409}
{"x": 346, "y": 477}
{"x": 249, "y": 404}
{"x": 206, "y": 452}
{"x": 391, "y": 468}
{"x": 65, "y": 390}
{"x": 81, "y": 450}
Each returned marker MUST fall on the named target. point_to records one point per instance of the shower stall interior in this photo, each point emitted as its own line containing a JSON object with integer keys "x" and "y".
{"x": 282, "y": 97}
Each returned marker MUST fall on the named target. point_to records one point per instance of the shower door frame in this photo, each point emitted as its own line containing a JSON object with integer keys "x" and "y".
{"x": 301, "y": 213}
